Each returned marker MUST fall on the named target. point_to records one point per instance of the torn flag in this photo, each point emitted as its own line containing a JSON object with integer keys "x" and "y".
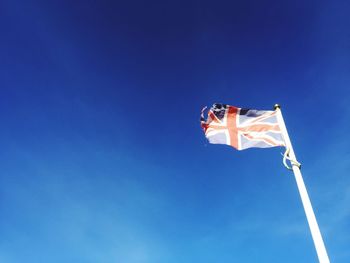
{"x": 242, "y": 128}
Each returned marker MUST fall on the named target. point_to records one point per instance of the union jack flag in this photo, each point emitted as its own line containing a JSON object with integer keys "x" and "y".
{"x": 242, "y": 128}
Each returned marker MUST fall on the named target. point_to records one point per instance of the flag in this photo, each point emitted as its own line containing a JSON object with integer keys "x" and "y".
{"x": 242, "y": 128}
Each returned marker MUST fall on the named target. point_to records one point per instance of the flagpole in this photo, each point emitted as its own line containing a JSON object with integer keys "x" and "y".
{"x": 315, "y": 231}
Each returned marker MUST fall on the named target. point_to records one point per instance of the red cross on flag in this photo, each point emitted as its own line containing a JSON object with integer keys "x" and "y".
{"x": 242, "y": 128}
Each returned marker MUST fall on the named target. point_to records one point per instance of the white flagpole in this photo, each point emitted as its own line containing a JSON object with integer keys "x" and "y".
{"x": 315, "y": 231}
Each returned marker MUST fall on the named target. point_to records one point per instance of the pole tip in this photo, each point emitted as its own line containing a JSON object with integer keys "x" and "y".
{"x": 276, "y": 106}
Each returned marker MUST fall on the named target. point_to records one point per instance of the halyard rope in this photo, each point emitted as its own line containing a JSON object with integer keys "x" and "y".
{"x": 293, "y": 162}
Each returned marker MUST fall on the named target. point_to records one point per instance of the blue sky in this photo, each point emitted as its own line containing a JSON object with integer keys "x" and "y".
{"x": 103, "y": 158}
